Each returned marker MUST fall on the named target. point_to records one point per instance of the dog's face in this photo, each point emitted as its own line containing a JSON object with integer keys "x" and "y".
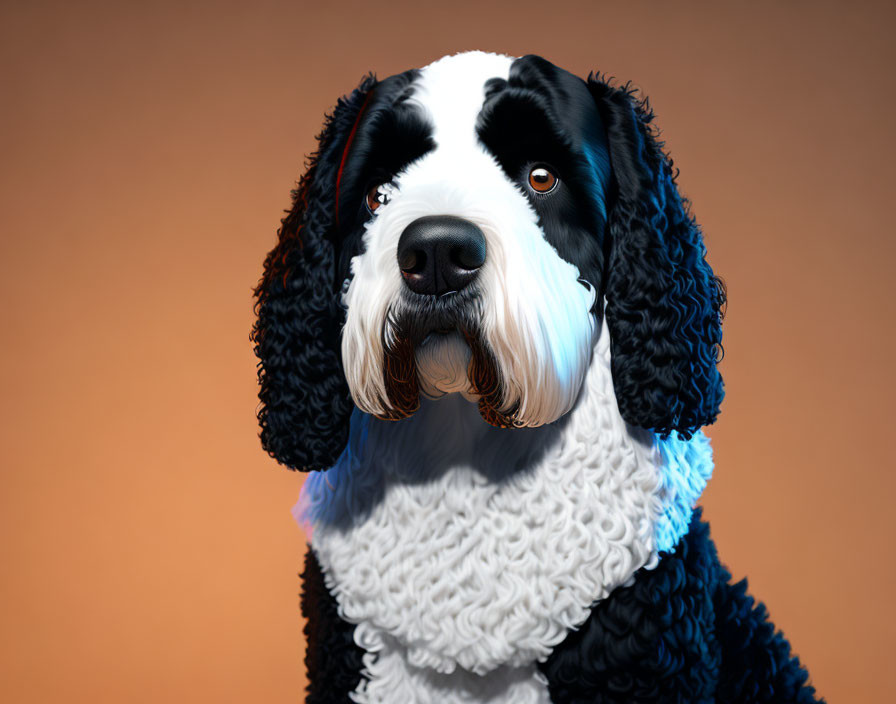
{"x": 462, "y": 229}
{"x": 480, "y": 249}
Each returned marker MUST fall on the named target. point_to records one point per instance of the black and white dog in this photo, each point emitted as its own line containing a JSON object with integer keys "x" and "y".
{"x": 488, "y": 325}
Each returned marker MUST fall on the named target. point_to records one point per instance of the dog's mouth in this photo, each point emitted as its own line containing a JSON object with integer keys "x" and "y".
{"x": 434, "y": 355}
{"x": 438, "y": 335}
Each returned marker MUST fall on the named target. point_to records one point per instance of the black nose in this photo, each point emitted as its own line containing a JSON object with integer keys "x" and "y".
{"x": 440, "y": 253}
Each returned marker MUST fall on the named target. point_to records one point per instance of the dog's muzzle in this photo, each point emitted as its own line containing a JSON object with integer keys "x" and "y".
{"x": 440, "y": 254}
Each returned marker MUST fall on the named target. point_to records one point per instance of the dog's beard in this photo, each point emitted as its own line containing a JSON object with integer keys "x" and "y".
{"x": 513, "y": 376}
{"x": 433, "y": 360}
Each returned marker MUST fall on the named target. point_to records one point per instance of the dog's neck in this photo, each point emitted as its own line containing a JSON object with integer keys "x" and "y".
{"x": 475, "y": 547}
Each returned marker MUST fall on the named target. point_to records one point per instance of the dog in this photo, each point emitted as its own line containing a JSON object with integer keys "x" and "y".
{"x": 489, "y": 332}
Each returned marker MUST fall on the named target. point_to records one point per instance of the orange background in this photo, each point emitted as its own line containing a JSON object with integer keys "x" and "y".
{"x": 147, "y": 549}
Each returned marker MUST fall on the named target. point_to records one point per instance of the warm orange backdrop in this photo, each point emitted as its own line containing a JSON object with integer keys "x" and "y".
{"x": 147, "y": 550}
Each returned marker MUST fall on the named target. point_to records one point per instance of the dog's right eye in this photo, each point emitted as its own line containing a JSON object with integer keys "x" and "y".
{"x": 379, "y": 195}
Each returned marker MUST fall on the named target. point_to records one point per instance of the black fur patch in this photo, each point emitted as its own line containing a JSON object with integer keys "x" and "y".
{"x": 544, "y": 115}
{"x": 332, "y": 659}
{"x": 305, "y": 401}
{"x": 663, "y": 303}
{"x": 391, "y": 135}
{"x": 681, "y": 633}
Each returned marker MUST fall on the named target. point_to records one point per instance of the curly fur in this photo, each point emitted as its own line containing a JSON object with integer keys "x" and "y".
{"x": 305, "y": 401}
{"x": 333, "y": 660}
{"x": 663, "y": 302}
{"x": 681, "y": 633}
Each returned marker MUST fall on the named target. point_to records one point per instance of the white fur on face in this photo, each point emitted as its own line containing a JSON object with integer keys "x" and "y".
{"x": 534, "y": 313}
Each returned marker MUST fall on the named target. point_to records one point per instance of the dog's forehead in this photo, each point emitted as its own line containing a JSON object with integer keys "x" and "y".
{"x": 451, "y": 91}
{"x": 453, "y": 94}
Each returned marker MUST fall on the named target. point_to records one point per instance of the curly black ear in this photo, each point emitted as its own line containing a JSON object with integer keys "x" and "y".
{"x": 305, "y": 401}
{"x": 663, "y": 303}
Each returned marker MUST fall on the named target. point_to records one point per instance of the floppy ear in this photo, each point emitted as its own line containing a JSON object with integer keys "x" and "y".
{"x": 305, "y": 401}
{"x": 663, "y": 303}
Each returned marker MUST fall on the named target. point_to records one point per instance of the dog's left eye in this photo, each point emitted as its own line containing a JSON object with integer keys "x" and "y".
{"x": 542, "y": 179}
{"x": 379, "y": 195}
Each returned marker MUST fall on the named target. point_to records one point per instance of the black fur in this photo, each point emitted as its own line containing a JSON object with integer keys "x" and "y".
{"x": 391, "y": 135}
{"x": 681, "y": 633}
{"x": 543, "y": 115}
{"x": 332, "y": 659}
{"x": 663, "y": 303}
{"x": 305, "y": 401}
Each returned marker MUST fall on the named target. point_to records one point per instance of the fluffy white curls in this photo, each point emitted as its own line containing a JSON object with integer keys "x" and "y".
{"x": 534, "y": 313}
{"x": 478, "y": 549}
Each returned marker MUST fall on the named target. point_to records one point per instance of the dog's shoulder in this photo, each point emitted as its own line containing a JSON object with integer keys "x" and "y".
{"x": 680, "y": 632}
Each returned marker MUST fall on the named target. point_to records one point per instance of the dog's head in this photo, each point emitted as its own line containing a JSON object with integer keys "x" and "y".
{"x": 463, "y": 228}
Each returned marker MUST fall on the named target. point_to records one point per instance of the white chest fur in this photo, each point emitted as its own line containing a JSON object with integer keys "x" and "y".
{"x": 460, "y": 548}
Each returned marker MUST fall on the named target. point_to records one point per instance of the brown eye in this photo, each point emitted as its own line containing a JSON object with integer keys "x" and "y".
{"x": 542, "y": 180}
{"x": 379, "y": 195}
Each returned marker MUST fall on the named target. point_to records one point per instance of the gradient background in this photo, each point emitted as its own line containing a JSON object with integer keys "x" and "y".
{"x": 147, "y": 549}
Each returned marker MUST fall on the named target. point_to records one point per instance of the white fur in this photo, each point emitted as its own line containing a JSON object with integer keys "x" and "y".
{"x": 475, "y": 547}
{"x": 391, "y": 678}
{"x": 535, "y": 312}
{"x": 442, "y": 362}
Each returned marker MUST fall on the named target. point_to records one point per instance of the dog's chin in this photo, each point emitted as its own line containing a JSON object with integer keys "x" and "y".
{"x": 443, "y": 361}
